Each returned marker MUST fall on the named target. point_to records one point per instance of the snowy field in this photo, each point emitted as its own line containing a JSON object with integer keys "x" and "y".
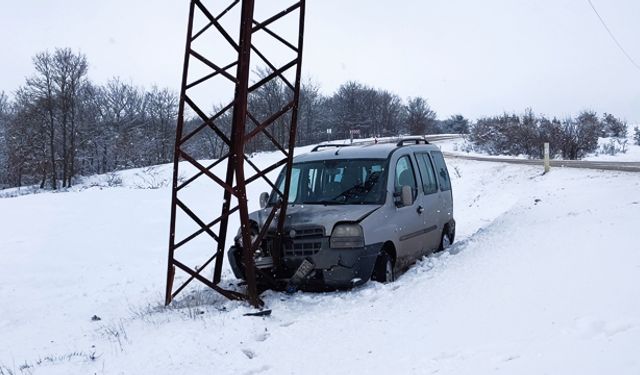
{"x": 544, "y": 279}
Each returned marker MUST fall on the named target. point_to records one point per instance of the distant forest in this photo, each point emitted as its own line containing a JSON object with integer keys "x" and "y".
{"x": 59, "y": 125}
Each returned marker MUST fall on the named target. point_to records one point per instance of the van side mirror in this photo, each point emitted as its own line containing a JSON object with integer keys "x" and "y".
{"x": 264, "y": 199}
{"x": 407, "y": 196}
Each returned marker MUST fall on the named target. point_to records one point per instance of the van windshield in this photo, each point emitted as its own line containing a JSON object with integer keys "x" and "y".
{"x": 347, "y": 181}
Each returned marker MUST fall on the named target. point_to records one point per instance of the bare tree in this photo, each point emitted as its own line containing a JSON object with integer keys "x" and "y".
{"x": 392, "y": 114}
{"x": 50, "y": 98}
{"x": 41, "y": 88}
{"x": 354, "y": 107}
{"x": 122, "y": 117}
{"x": 310, "y": 125}
{"x": 70, "y": 78}
{"x": 27, "y": 141}
{"x": 161, "y": 106}
{"x": 267, "y": 100}
{"x": 4, "y": 123}
{"x": 420, "y": 117}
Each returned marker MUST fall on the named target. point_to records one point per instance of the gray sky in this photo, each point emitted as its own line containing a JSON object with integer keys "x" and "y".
{"x": 471, "y": 57}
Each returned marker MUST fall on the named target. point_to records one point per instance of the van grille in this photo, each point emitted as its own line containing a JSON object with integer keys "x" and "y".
{"x": 307, "y": 241}
{"x": 314, "y": 232}
{"x": 297, "y": 248}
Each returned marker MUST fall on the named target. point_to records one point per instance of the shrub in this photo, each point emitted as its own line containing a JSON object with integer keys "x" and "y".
{"x": 613, "y": 127}
{"x": 511, "y": 134}
{"x": 614, "y": 146}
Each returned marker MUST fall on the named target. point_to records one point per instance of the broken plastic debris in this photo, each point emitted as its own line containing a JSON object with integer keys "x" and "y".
{"x": 259, "y": 313}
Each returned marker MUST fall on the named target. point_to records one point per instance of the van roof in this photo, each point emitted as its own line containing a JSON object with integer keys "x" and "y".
{"x": 364, "y": 150}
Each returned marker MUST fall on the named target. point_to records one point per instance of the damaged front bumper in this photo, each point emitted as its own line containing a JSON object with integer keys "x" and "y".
{"x": 332, "y": 268}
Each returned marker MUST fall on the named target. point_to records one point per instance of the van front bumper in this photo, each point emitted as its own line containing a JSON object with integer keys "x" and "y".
{"x": 333, "y": 268}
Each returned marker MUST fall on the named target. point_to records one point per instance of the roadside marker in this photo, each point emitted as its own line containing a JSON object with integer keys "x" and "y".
{"x": 547, "y": 165}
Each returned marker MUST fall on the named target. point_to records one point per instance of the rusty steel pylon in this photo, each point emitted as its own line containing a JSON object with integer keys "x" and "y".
{"x": 210, "y": 212}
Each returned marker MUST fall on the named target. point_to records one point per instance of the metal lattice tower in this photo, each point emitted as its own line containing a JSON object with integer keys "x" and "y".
{"x": 221, "y": 61}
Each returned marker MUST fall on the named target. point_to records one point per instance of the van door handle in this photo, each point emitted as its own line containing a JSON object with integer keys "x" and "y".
{"x": 420, "y": 210}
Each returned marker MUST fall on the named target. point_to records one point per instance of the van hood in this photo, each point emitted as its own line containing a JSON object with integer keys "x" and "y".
{"x": 306, "y": 215}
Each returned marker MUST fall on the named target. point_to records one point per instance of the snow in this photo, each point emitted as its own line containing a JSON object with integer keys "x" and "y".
{"x": 544, "y": 277}
{"x": 632, "y": 150}
{"x": 462, "y": 146}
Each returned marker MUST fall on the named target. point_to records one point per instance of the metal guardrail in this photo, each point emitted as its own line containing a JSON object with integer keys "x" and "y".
{"x": 584, "y": 164}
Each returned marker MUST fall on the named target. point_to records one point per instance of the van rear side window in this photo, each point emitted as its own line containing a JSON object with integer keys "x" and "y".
{"x": 429, "y": 185}
{"x": 441, "y": 170}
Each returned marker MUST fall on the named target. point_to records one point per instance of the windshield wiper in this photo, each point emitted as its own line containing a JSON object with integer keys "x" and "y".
{"x": 324, "y": 201}
{"x": 352, "y": 191}
{"x": 360, "y": 189}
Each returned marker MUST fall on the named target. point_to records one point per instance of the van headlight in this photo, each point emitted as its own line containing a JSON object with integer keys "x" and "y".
{"x": 347, "y": 236}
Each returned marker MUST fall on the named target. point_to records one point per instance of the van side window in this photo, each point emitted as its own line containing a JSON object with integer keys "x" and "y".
{"x": 441, "y": 170}
{"x": 405, "y": 176}
{"x": 429, "y": 185}
{"x": 295, "y": 184}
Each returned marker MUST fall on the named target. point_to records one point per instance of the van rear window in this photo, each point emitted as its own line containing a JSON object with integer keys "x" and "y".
{"x": 429, "y": 184}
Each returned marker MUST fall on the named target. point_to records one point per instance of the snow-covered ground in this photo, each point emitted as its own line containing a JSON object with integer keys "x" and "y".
{"x": 605, "y": 145}
{"x": 544, "y": 278}
{"x": 462, "y": 146}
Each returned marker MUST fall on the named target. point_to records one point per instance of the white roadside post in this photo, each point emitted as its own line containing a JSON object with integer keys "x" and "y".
{"x": 547, "y": 165}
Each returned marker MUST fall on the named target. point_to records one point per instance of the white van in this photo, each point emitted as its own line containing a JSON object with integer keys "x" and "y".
{"x": 355, "y": 213}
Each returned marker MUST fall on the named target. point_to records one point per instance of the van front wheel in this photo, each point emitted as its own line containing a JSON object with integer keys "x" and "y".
{"x": 383, "y": 270}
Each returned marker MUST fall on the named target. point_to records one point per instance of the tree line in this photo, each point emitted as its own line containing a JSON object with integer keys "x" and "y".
{"x": 370, "y": 112}
{"x": 570, "y": 138}
{"x": 60, "y": 125}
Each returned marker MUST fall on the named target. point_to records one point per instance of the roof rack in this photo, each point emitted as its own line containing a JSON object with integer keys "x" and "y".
{"x": 413, "y": 140}
{"x": 401, "y": 141}
{"x": 337, "y": 145}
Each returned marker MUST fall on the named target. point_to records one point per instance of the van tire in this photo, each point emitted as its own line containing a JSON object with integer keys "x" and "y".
{"x": 383, "y": 270}
{"x": 446, "y": 239}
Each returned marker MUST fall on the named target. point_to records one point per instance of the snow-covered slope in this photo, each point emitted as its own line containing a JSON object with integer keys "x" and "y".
{"x": 544, "y": 278}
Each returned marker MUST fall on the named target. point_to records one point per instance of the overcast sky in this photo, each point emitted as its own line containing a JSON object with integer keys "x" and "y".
{"x": 471, "y": 57}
